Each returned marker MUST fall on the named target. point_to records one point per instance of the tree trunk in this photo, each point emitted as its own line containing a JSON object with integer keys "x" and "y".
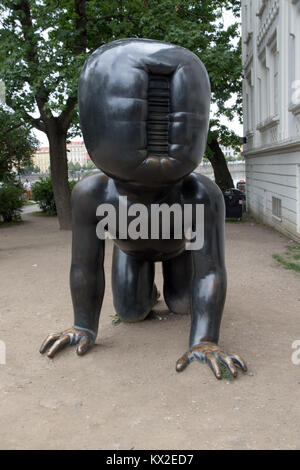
{"x": 217, "y": 159}
{"x": 59, "y": 173}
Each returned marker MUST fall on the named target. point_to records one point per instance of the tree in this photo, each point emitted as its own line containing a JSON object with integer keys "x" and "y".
{"x": 218, "y": 135}
{"x": 77, "y": 166}
{"x": 44, "y": 45}
{"x": 27, "y": 170}
{"x": 17, "y": 145}
{"x": 89, "y": 166}
{"x": 71, "y": 166}
{"x": 41, "y": 51}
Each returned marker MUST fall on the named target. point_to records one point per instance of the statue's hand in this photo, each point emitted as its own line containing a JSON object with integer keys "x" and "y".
{"x": 74, "y": 336}
{"x": 212, "y": 354}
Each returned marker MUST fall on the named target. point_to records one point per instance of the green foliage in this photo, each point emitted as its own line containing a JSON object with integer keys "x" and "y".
{"x": 11, "y": 194}
{"x": 225, "y": 136}
{"x": 290, "y": 259}
{"x": 226, "y": 374}
{"x": 115, "y": 319}
{"x": 27, "y": 170}
{"x": 44, "y": 45}
{"x": 42, "y": 193}
{"x": 90, "y": 165}
{"x": 16, "y": 145}
{"x": 71, "y": 166}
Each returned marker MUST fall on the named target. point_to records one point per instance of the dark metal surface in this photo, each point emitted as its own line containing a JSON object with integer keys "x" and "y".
{"x": 144, "y": 113}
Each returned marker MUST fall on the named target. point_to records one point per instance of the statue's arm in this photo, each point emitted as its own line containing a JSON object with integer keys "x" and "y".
{"x": 209, "y": 273}
{"x": 86, "y": 276}
{"x": 208, "y": 289}
{"x": 87, "y": 272}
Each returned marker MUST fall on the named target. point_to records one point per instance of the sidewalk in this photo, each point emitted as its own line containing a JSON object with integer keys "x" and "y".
{"x": 30, "y": 208}
{"x": 124, "y": 393}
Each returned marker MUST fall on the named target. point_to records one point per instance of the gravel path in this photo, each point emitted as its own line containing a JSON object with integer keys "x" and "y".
{"x": 124, "y": 393}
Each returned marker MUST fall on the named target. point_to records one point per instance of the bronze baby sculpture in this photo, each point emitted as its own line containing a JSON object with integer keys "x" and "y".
{"x": 144, "y": 113}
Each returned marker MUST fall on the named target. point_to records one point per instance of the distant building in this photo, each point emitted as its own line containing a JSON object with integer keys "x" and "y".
{"x": 271, "y": 63}
{"x": 41, "y": 159}
{"x": 76, "y": 153}
{"x": 230, "y": 152}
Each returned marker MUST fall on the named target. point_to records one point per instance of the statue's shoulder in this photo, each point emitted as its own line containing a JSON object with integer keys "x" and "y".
{"x": 91, "y": 187}
{"x": 87, "y": 194}
{"x": 197, "y": 188}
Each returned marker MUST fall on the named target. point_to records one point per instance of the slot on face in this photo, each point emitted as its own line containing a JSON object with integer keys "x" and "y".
{"x": 159, "y": 107}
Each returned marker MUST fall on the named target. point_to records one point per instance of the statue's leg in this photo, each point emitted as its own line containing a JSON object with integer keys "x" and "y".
{"x": 134, "y": 291}
{"x": 178, "y": 273}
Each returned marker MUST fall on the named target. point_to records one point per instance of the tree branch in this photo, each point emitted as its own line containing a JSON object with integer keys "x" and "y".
{"x": 81, "y": 27}
{"x": 65, "y": 118}
{"x": 36, "y": 122}
{"x": 42, "y": 93}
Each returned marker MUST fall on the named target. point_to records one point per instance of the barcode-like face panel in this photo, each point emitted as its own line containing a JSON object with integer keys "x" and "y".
{"x": 158, "y": 115}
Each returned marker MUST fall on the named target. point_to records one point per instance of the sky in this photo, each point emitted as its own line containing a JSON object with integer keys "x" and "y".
{"x": 234, "y": 125}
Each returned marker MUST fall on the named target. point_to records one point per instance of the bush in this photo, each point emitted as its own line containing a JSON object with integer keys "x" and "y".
{"x": 11, "y": 201}
{"x": 42, "y": 193}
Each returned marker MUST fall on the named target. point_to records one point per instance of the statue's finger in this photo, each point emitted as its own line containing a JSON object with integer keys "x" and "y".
{"x": 227, "y": 361}
{"x": 58, "y": 345}
{"x": 48, "y": 342}
{"x": 184, "y": 361}
{"x": 83, "y": 346}
{"x": 239, "y": 362}
{"x": 213, "y": 364}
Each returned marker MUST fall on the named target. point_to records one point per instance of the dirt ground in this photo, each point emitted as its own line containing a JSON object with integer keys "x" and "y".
{"x": 125, "y": 394}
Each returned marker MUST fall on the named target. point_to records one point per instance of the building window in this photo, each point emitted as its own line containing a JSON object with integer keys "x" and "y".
{"x": 249, "y": 103}
{"x": 246, "y": 20}
{"x": 275, "y": 81}
{"x": 274, "y": 78}
{"x": 276, "y": 208}
{"x": 264, "y": 89}
{"x": 251, "y": 17}
{"x": 260, "y": 101}
{"x": 292, "y": 64}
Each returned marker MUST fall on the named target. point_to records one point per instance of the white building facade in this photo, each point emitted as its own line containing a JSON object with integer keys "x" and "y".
{"x": 77, "y": 153}
{"x": 271, "y": 96}
{"x": 230, "y": 152}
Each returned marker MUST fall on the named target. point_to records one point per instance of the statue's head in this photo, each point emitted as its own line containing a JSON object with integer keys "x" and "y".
{"x": 144, "y": 110}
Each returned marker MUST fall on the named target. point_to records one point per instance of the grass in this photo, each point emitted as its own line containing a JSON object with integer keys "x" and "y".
{"x": 9, "y": 224}
{"x": 115, "y": 319}
{"x": 290, "y": 259}
{"x": 246, "y": 218}
{"x": 29, "y": 203}
{"x": 226, "y": 374}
